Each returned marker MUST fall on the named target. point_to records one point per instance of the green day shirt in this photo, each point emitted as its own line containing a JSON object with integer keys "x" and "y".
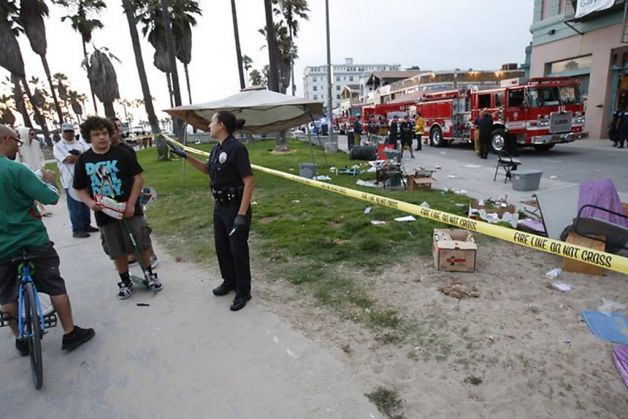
{"x": 20, "y": 222}
{"x": 109, "y": 174}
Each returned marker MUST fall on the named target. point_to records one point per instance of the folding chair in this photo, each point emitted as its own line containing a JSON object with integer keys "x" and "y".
{"x": 505, "y": 161}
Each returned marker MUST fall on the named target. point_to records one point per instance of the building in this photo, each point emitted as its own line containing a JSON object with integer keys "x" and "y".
{"x": 315, "y": 78}
{"x": 584, "y": 39}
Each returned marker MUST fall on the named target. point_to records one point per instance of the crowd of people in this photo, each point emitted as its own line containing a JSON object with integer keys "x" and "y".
{"x": 96, "y": 169}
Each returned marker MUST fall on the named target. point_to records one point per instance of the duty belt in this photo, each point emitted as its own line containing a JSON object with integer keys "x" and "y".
{"x": 228, "y": 196}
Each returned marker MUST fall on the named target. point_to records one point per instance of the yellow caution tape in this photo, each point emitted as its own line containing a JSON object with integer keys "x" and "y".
{"x": 556, "y": 247}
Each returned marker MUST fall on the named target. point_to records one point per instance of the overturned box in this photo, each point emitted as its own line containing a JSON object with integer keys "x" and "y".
{"x": 454, "y": 250}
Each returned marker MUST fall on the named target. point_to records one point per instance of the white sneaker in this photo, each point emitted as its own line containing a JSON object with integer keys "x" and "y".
{"x": 125, "y": 290}
{"x": 153, "y": 262}
{"x": 154, "y": 283}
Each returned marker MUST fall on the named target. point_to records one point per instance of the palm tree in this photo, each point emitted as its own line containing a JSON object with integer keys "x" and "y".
{"x": 11, "y": 59}
{"x": 6, "y": 115}
{"x": 292, "y": 11}
{"x": 256, "y": 78}
{"x": 247, "y": 62}
{"x": 103, "y": 79}
{"x": 84, "y": 25}
{"x": 273, "y": 55}
{"x": 32, "y": 13}
{"x": 76, "y": 99}
{"x": 181, "y": 16}
{"x": 13, "y": 83}
{"x": 236, "y": 35}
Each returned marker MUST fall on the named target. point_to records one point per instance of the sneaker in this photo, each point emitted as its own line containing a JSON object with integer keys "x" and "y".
{"x": 91, "y": 229}
{"x": 239, "y": 302}
{"x": 223, "y": 289}
{"x": 80, "y": 234}
{"x": 125, "y": 290}
{"x": 154, "y": 283}
{"x": 21, "y": 346}
{"x": 76, "y": 338}
{"x": 153, "y": 262}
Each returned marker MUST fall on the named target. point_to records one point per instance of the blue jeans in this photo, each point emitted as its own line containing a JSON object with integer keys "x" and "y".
{"x": 79, "y": 214}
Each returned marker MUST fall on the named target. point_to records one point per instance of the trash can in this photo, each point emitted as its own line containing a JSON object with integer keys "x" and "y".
{"x": 307, "y": 170}
{"x": 331, "y": 147}
{"x": 526, "y": 180}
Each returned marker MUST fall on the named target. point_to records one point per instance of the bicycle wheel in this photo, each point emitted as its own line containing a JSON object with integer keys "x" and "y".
{"x": 32, "y": 328}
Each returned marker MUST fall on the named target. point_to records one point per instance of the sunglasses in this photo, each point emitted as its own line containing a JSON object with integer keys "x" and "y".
{"x": 18, "y": 141}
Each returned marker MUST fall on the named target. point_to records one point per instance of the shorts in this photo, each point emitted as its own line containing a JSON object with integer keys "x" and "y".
{"x": 46, "y": 277}
{"x": 116, "y": 241}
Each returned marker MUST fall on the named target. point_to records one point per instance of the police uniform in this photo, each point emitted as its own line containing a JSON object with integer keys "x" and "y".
{"x": 228, "y": 164}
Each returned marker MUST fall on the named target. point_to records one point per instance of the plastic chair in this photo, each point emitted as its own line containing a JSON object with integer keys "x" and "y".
{"x": 505, "y": 161}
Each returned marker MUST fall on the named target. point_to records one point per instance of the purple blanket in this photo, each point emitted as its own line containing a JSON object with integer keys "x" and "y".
{"x": 620, "y": 356}
{"x": 601, "y": 193}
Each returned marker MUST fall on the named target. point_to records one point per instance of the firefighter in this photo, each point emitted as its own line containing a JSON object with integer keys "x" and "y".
{"x": 485, "y": 125}
{"x": 419, "y": 128}
{"x": 232, "y": 186}
{"x": 405, "y": 131}
{"x": 392, "y": 132}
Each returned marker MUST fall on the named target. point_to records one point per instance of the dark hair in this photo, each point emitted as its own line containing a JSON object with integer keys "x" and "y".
{"x": 229, "y": 120}
{"x": 95, "y": 123}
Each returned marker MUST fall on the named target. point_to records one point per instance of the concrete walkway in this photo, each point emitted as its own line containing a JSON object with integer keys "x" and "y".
{"x": 186, "y": 355}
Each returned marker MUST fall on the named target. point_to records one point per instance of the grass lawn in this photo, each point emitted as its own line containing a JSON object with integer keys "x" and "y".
{"x": 301, "y": 233}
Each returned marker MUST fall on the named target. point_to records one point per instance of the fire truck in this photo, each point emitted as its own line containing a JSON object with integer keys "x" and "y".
{"x": 344, "y": 122}
{"x": 540, "y": 113}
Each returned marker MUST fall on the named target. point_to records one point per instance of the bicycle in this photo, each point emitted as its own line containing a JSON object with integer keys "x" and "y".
{"x": 32, "y": 321}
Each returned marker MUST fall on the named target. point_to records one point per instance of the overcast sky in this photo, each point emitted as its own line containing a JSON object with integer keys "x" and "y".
{"x": 436, "y": 35}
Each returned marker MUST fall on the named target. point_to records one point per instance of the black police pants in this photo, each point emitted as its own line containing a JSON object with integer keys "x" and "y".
{"x": 485, "y": 146}
{"x": 232, "y": 251}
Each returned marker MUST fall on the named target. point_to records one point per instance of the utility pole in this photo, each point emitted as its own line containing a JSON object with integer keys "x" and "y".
{"x": 330, "y": 116}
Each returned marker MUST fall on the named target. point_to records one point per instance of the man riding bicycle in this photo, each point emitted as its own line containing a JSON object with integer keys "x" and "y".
{"x": 21, "y": 228}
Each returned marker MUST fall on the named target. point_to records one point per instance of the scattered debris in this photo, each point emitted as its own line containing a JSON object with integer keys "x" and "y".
{"x": 609, "y": 306}
{"x": 436, "y": 166}
{"x": 296, "y": 201}
{"x": 367, "y": 183}
{"x": 178, "y": 259}
{"x": 142, "y": 305}
{"x": 554, "y": 177}
{"x": 452, "y": 176}
{"x": 405, "y": 219}
{"x": 534, "y": 309}
{"x": 378, "y": 223}
{"x": 561, "y": 286}
{"x": 472, "y": 166}
{"x": 424, "y": 205}
{"x": 553, "y": 274}
{"x": 367, "y": 210}
{"x": 322, "y": 177}
{"x": 456, "y": 289}
{"x": 346, "y": 348}
{"x": 473, "y": 380}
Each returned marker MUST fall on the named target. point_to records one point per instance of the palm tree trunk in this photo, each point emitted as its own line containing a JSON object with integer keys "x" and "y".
{"x": 172, "y": 59}
{"x": 18, "y": 96}
{"x": 187, "y": 82}
{"x": 44, "y": 61}
{"x": 162, "y": 148}
{"x": 110, "y": 112}
{"x": 236, "y": 34}
{"x": 170, "y": 93}
{"x": 294, "y": 87}
{"x": 91, "y": 89}
{"x": 273, "y": 55}
{"x": 41, "y": 121}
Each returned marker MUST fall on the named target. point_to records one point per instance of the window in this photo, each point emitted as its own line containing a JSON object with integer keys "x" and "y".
{"x": 337, "y": 88}
{"x": 351, "y": 78}
{"x": 315, "y": 97}
{"x": 499, "y": 98}
{"x": 315, "y": 88}
{"x": 337, "y": 96}
{"x": 484, "y": 101}
{"x": 553, "y": 96}
{"x": 576, "y": 64}
{"x": 314, "y": 79}
{"x": 515, "y": 97}
{"x": 337, "y": 78}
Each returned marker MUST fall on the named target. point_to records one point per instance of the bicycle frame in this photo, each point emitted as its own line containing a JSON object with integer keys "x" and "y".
{"x": 24, "y": 269}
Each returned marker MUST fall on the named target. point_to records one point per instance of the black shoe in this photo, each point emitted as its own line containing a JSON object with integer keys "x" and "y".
{"x": 76, "y": 338}
{"x": 21, "y": 346}
{"x": 80, "y": 234}
{"x": 239, "y": 302}
{"x": 621, "y": 146}
{"x": 223, "y": 289}
{"x": 91, "y": 229}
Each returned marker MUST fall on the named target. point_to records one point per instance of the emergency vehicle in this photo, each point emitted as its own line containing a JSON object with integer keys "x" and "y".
{"x": 540, "y": 113}
{"x": 344, "y": 122}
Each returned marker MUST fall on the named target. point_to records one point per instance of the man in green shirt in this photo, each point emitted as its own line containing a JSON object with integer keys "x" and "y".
{"x": 21, "y": 229}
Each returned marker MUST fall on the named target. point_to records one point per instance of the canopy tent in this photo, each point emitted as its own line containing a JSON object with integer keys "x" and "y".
{"x": 263, "y": 111}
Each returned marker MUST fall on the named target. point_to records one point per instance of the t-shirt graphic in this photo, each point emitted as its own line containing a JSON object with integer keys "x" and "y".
{"x": 104, "y": 178}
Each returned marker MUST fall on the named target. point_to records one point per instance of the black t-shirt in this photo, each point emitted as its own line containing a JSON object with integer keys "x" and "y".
{"x": 109, "y": 174}
{"x": 126, "y": 146}
{"x": 228, "y": 164}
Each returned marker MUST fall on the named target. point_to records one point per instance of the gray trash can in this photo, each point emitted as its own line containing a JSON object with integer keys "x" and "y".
{"x": 331, "y": 147}
{"x": 307, "y": 170}
{"x": 526, "y": 180}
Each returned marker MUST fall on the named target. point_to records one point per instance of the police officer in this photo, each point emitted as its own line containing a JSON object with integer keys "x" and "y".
{"x": 231, "y": 177}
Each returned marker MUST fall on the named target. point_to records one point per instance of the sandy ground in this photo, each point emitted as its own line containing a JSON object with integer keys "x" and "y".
{"x": 518, "y": 349}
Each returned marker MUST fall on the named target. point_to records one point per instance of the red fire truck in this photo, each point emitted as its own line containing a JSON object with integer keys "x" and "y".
{"x": 540, "y": 113}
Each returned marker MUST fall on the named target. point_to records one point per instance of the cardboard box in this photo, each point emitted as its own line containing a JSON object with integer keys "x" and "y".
{"x": 414, "y": 183}
{"x": 571, "y": 265}
{"x": 454, "y": 250}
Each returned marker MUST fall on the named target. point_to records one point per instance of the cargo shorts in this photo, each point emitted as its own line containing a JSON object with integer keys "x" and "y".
{"x": 116, "y": 241}
{"x": 46, "y": 275}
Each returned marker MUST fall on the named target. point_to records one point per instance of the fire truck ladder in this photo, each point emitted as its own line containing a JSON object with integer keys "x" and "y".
{"x": 624, "y": 34}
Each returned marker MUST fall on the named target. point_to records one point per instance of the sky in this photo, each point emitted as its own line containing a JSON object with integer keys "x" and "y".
{"x": 432, "y": 34}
